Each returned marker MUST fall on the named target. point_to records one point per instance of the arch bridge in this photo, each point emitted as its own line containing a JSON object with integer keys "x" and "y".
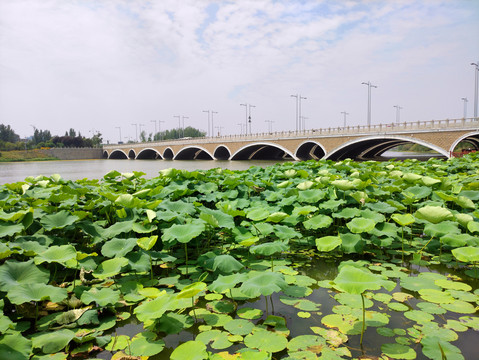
{"x": 358, "y": 142}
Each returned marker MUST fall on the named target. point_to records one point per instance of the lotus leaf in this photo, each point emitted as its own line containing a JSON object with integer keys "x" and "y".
{"x": 13, "y": 273}
{"x": 356, "y": 280}
{"x": 344, "y": 184}
{"x": 226, "y": 264}
{"x": 398, "y": 351}
{"x": 347, "y": 213}
{"x": 102, "y": 297}
{"x": 328, "y": 243}
{"x": 264, "y": 340}
{"x": 403, "y": 219}
{"x": 119, "y": 342}
{"x": 257, "y": 214}
{"x": 466, "y": 254}
{"x": 59, "y": 220}
{"x": 318, "y": 222}
{"x": 459, "y": 306}
{"x": 23, "y": 293}
{"x": 441, "y": 229}
{"x": 153, "y": 309}
{"x": 224, "y": 283}
{"x": 249, "y": 313}
{"x": 173, "y": 323}
{"x": 239, "y": 327}
{"x": 13, "y": 346}
{"x": 416, "y": 283}
{"x": 311, "y": 196}
{"x": 265, "y": 283}
{"x": 183, "y": 233}
{"x": 305, "y": 185}
{"x": 221, "y": 306}
{"x": 360, "y": 225}
{"x": 221, "y": 219}
{"x": 277, "y": 217}
{"x": 190, "y": 350}
{"x": 219, "y": 339}
{"x": 431, "y": 347}
{"x": 109, "y": 268}
{"x": 346, "y": 323}
{"x": 191, "y": 290}
{"x": 7, "y": 229}
{"x": 433, "y": 214}
{"x": 144, "y": 344}
{"x": 312, "y": 343}
{"x": 269, "y": 248}
{"x": 52, "y": 341}
{"x": 146, "y": 243}
{"x": 418, "y": 316}
{"x": 59, "y": 254}
{"x": 431, "y": 308}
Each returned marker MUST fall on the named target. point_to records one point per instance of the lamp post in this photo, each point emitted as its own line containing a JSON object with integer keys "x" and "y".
{"x": 298, "y": 111}
{"x": 159, "y": 128}
{"x": 140, "y": 129}
{"x": 208, "y": 111}
{"x": 212, "y": 120}
{"x": 248, "y": 117}
{"x": 241, "y": 128}
{"x": 369, "y": 99}
{"x": 179, "y": 124}
{"x": 270, "y": 125}
{"x": 476, "y": 84}
{"x": 183, "y": 123}
{"x": 398, "y": 110}
{"x": 119, "y": 129}
{"x": 136, "y": 131}
{"x": 219, "y": 129}
{"x": 465, "y": 106}
{"x": 344, "y": 113}
{"x": 155, "y": 128}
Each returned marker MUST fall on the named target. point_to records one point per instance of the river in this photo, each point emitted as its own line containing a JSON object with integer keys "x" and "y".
{"x": 96, "y": 169}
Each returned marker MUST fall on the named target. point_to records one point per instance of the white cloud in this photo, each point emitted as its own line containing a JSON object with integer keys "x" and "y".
{"x": 96, "y": 65}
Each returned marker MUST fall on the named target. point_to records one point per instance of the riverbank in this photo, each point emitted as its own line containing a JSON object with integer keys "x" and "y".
{"x": 25, "y": 155}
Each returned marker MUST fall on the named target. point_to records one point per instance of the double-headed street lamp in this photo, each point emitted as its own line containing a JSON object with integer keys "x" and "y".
{"x": 398, "y": 110}
{"x": 369, "y": 99}
{"x": 298, "y": 110}
{"x": 248, "y": 117}
{"x": 476, "y": 81}
{"x": 465, "y": 106}
{"x": 210, "y": 132}
{"x": 344, "y": 113}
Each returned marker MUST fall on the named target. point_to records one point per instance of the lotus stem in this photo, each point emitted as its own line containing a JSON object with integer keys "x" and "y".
{"x": 364, "y": 321}
{"x": 272, "y": 264}
{"x": 402, "y": 245}
{"x": 151, "y": 266}
{"x": 186, "y": 258}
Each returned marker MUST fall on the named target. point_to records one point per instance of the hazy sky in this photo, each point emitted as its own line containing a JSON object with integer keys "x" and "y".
{"x": 93, "y": 65}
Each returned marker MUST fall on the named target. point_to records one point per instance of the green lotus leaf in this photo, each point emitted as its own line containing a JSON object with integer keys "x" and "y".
{"x": 418, "y": 316}
{"x": 239, "y": 327}
{"x": 381, "y": 207}
{"x": 116, "y": 229}
{"x": 304, "y": 210}
{"x": 416, "y": 283}
{"x": 13, "y": 346}
{"x": 59, "y": 220}
{"x": 23, "y": 293}
{"x": 318, "y": 222}
{"x": 417, "y": 192}
{"x": 59, "y": 254}
{"x": 226, "y": 264}
{"x": 459, "y": 306}
{"x": 286, "y": 233}
{"x": 218, "y": 339}
{"x": 224, "y": 283}
{"x": 431, "y": 308}
{"x": 13, "y": 273}
{"x": 249, "y": 313}
{"x": 257, "y": 214}
{"x": 52, "y": 341}
{"x": 429, "y": 181}
{"x": 153, "y": 309}
{"x": 264, "y": 340}
{"x": 179, "y": 207}
{"x": 221, "y": 306}
{"x": 356, "y": 280}
{"x": 143, "y": 228}
{"x": 305, "y": 185}
{"x": 328, "y": 243}
{"x": 346, "y": 323}
{"x": 183, "y": 233}
{"x": 103, "y": 297}
{"x": 128, "y": 201}
{"x": 347, "y": 213}
{"x": 353, "y": 300}
{"x": 190, "y": 350}
{"x": 351, "y": 243}
{"x": 146, "y": 243}
{"x": 360, "y": 225}
{"x": 441, "y": 229}
{"x": 144, "y": 344}
{"x": 191, "y": 290}
{"x": 453, "y": 285}
{"x": 118, "y": 342}
{"x": 110, "y": 268}
{"x": 411, "y": 177}
{"x": 262, "y": 283}
{"x": 463, "y": 219}
{"x": 311, "y": 196}
{"x": 173, "y": 323}
{"x": 221, "y": 219}
{"x": 269, "y": 248}
{"x": 343, "y": 184}
{"x": 456, "y": 240}
{"x": 277, "y": 217}
{"x": 436, "y": 296}
{"x": 403, "y": 219}
{"x": 10, "y": 229}
{"x": 331, "y": 204}
{"x": 473, "y": 226}
{"x": 466, "y": 254}
{"x": 398, "y": 351}
{"x": 434, "y": 348}
{"x": 305, "y": 342}
{"x": 465, "y": 202}
{"x": 433, "y": 214}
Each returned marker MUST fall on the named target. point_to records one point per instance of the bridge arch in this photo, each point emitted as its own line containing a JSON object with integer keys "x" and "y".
{"x": 168, "y": 154}
{"x": 263, "y": 151}
{"x": 310, "y": 150}
{"x": 149, "y": 153}
{"x": 104, "y": 154}
{"x": 132, "y": 154}
{"x": 193, "y": 153}
{"x": 471, "y": 138}
{"x": 372, "y": 146}
{"x": 118, "y": 154}
{"x": 222, "y": 153}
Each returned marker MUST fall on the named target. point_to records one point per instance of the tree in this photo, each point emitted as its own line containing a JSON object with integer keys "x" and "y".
{"x": 143, "y": 136}
{"x": 8, "y": 135}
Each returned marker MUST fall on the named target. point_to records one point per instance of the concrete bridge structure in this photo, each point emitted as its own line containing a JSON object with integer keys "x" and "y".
{"x": 358, "y": 142}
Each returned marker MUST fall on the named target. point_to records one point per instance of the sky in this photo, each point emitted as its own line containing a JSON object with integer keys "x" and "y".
{"x": 104, "y": 65}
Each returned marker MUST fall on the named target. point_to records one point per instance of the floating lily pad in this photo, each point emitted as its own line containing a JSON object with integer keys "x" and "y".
{"x": 24, "y": 293}
{"x": 420, "y": 317}
{"x": 103, "y": 297}
{"x": 13, "y": 273}
{"x": 266, "y": 341}
{"x": 13, "y": 346}
{"x": 218, "y": 339}
{"x": 398, "y": 351}
{"x": 396, "y": 306}
{"x": 249, "y": 313}
{"x": 459, "y": 306}
{"x": 239, "y": 327}
{"x": 191, "y": 350}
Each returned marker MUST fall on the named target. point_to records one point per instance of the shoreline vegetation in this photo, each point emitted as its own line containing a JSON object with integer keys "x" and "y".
{"x": 196, "y": 262}
{"x": 25, "y": 155}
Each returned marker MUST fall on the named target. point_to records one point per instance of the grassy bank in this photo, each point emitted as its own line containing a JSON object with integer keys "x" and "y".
{"x": 25, "y": 155}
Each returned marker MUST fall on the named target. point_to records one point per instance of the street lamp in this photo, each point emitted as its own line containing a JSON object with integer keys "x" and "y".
{"x": 465, "y": 106}
{"x": 476, "y": 81}
{"x": 219, "y": 129}
{"x": 140, "y": 129}
{"x": 270, "y": 125}
{"x": 212, "y": 121}
{"x": 136, "y": 129}
{"x": 179, "y": 124}
{"x": 369, "y": 99}
{"x": 155, "y": 128}
{"x": 119, "y": 129}
{"x": 344, "y": 113}
{"x": 241, "y": 128}
{"x": 248, "y": 117}
{"x": 398, "y": 110}
{"x": 159, "y": 128}
{"x": 208, "y": 111}
{"x": 298, "y": 110}
{"x": 183, "y": 123}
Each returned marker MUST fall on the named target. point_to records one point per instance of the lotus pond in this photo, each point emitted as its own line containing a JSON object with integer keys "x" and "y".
{"x": 308, "y": 260}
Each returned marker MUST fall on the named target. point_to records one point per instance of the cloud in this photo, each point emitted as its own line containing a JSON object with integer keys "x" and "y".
{"x": 97, "y": 65}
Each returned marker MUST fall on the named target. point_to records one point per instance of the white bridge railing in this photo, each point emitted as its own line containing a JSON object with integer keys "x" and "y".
{"x": 417, "y": 126}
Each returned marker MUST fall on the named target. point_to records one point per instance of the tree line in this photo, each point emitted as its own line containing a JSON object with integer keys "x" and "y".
{"x": 9, "y": 140}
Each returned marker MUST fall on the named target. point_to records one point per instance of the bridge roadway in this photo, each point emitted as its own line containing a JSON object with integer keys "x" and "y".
{"x": 358, "y": 142}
